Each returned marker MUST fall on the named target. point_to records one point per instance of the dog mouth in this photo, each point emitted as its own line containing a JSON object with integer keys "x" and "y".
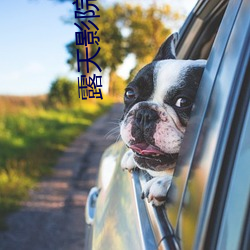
{"x": 149, "y": 152}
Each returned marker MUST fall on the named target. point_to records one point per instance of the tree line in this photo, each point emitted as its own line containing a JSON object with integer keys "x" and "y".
{"x": 123, "y": 30}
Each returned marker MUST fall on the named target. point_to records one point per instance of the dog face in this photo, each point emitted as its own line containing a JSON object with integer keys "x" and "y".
{"x": 158, "y": 103}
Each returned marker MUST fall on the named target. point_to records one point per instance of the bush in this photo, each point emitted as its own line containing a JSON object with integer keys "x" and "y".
{"x": 63, "y": 92}
{"x": 31, "y": 139}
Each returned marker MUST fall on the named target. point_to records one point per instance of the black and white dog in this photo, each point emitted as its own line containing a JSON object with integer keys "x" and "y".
{"x": 158, "y": 103}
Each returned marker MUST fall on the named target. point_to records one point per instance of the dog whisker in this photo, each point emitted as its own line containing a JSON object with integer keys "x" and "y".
{"x": 113, "y": 132}
{"x": 116, "y": 122}
{"x": 118, "y": 138}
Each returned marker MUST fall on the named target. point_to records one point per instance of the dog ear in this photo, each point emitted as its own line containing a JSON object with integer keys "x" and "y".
{"x": 167, "y": 49}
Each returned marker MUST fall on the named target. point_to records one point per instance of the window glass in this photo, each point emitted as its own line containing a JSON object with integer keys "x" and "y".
{"x": 236, "y": 206}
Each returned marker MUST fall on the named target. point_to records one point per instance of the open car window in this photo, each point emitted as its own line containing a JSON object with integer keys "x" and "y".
{"x": 201, "y": 23}
{"x": 196, "y": 41}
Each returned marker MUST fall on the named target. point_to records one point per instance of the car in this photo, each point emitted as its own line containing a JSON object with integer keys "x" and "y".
{"x": 208, "y": 203}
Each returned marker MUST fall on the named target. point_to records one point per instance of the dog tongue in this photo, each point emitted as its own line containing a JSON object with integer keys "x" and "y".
{"x": 145, "y": 149}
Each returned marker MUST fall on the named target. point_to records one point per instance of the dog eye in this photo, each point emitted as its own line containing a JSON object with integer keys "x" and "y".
{"x": 130, "y": 94}
{"x": 183, "y": 102}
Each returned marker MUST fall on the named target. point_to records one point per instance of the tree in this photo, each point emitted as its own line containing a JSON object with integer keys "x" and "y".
{"x": 63, "y": 92}
{"x": 117, "y": 86}
{"x": 124, "y": 29}
{"x": 112, "y": 51}
{"x": 148, "y": 32}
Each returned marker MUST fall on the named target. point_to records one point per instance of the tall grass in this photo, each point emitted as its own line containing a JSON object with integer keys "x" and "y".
{"x": 31, "y": 138}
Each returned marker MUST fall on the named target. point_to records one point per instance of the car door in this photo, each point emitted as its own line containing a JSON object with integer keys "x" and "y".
{"x": 121, "y": 218}
{"x": 207, "y": 184}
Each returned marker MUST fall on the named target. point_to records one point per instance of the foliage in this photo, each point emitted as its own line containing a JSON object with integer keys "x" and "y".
{"x": 63, "y": 92}
{"x": 117, "y": 86}
{"x": 112, "y": 51}
{"x": 31, "y": 138}
{"x": 147, "y": 32}
{"x": 125, "y": 29}
{"x": 144, "y": 28}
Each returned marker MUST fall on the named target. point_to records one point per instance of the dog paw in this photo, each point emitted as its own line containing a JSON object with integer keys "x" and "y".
{"x": 127, "y": 162}
{"x": 156, "y": 189}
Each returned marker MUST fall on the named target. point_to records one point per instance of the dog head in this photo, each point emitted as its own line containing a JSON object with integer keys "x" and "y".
{"x": 158, "y": 102}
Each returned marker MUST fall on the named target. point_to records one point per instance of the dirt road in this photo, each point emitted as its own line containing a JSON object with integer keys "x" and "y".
{"x": 53, "y": 218}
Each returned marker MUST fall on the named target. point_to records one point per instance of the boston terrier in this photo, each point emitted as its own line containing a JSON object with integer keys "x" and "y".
{"x": 158, "y": 102}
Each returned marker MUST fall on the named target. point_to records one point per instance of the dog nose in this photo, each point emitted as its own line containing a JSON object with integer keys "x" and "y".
{"x": 144, "y": 118}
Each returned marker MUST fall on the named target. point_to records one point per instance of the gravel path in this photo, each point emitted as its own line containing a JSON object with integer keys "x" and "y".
{"x": 53, "y": 218}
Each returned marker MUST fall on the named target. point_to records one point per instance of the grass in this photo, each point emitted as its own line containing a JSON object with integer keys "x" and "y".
{"x": 31, "y": 138}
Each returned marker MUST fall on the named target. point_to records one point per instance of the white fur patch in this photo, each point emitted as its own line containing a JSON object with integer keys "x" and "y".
{"x": 125, "y": 131}
{"x": 128, "y": 161}
{"x": 157, "y": 188}
{"x": 168, "y": 138}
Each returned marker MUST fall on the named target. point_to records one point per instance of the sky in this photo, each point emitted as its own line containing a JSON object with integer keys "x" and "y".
{"x": 32, "y": 44}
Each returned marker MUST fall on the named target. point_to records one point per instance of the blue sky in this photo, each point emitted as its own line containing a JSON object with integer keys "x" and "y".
{"x": 32, "y": 44}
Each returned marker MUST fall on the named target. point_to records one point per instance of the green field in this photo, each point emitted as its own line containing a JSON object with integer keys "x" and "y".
{"x": 32, "y": 135}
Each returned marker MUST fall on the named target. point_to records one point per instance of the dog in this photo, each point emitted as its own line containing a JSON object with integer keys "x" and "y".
{"x": 158, "y": 102}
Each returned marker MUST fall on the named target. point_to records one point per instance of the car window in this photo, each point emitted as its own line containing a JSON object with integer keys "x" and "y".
{"x": 235, "y": 212}
{"x": 199, "y": 31}
{"x": 192, "y": 132}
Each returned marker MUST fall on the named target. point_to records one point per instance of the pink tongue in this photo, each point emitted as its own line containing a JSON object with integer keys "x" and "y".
{"x": 145, "y": 149}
